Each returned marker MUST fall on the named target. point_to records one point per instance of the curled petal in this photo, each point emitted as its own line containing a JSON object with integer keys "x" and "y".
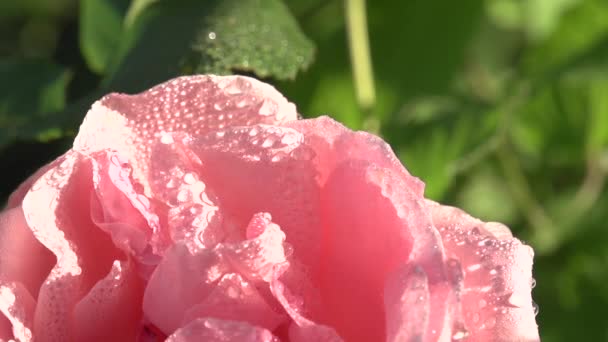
{"x": 84, "y": 253}
{"x": 407, "y": 305}
{"x": 17, "y": 305}
{"x": 23, "y": 259}
{"x": 228, "y": 280}
{"x": 195, "y": 105}
{"x": 217, "y": 330}
{"x": 301, "y": 329}
{"x": 111, "y": 311}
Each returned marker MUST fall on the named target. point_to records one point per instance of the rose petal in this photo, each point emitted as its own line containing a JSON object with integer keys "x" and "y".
{"x": 17, "y": 304}
{"x": 111, "y": 311}
{"x": 301, "y": 329}
{"x": 17, "y": 196}
{"x": 84, "y": 253}
{"x": 497, "y": 270}
{"x": 406, "y": 300}
{"x": 217, "y": 330}
{"x": 364, "y": 241}
{"x": 235, "y": 298}
{"x": 119, "y": 209}
{"x": 188, "y": 278}
{"x": 333, "y": 144}
{"x": 194, "y": 105}
{"x": 22, "y": 258}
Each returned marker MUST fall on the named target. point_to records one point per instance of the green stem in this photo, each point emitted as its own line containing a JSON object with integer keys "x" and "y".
{"x": 356, "y": 22}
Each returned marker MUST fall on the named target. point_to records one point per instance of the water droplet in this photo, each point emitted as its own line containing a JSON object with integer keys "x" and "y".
{"x": 166, "y": 139}
{"x": 211, "y": 35}
{"x": 183, "y": 195}
{"x": 233, "y": 292}
{"x": 268, "y": 107}
{"x": 253, "y": 132}
{"x": 535, "y": 308}
{"x": 189, "y": 178}
{"x": 474, "y": 267}
{"x": 460, "y": 335}
{"x": 532, "y": 283}
{"x": 218, "y": 106}
{"x": 476, "y": 317}
{"x": 493, "y": 271}
{"x": 268, "y": 142}
{"x": 220, "y": 134}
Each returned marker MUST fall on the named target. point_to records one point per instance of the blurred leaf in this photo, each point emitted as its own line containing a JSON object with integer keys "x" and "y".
{"x": 486, "y": 196}
{"x": 537, "y": 18}
{"x": 437, "y": 150}
{"x": 39, "y": 8}
{"x": 101, "y": 23}
{"x": 579, "y": 30}
{"x": 552, "y": 125}
{"x": 169, "y": 38}
{"x": 597, "y": 136}
{"x": 31, "y": 90}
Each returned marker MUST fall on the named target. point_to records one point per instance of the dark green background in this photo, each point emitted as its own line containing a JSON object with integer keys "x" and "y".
{"x": 500, "y": 106}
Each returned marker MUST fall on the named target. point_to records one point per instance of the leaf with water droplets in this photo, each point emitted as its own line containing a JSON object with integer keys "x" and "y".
{"x": 251, "y": 35}
{"x": 168, "y": 38}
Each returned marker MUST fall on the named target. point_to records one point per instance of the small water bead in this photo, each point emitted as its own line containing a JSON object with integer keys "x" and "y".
{"x": 189, "y": 178}
{"x": 268, "y": 107}
{"x": 535, "y": 307}
{"x": 211, "y": 35}
{"x": 532, "y": 283}
{"x": 184, "y": 195}
{"x": 460, "y": 335}
{"x": 268, "y": 142}
{"x": 166, "y": 139}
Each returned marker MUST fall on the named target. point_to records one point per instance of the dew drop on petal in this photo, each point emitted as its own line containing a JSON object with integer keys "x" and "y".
{"x": 189, "y": 178}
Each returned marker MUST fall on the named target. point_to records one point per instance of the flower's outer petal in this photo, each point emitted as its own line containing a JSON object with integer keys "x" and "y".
{"x": 406, "y": 300}
{"x": 22, "y": 258}
{"x": 301, "y": 328}
{"x": 333, "y": 143}
{"x": 111, "y": 311}
{"x": 17, "y": 196}
{"x": 217, "y": 330}
{"x": 363, "y": 242}
{"x": 194, "y": 105}
{"x": 225, "y": 281}
{"x": 497, "y": 276}
{"x": 57, "y": 209}
{"x": 334, "y": 147}
{"x": 17, "y": 305}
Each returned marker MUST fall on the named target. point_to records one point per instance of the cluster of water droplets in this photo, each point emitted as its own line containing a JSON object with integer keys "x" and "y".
{"x": 489, "y": 293}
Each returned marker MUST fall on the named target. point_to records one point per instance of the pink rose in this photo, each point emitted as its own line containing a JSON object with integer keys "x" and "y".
{"x": 203, "y": 210}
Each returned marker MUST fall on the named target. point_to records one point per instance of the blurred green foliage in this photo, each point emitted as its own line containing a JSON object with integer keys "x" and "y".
{"x": 500, "y": 106}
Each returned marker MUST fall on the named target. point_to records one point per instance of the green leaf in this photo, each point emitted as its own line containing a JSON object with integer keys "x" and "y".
{"x": 169, "y": 38}
{"x": 446, "y": 144}
{"x": 31, "y": 90}
{"x": 259, "y": 36}
{"x": 579, "y": 31}
{"x": 101, "y": 23}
